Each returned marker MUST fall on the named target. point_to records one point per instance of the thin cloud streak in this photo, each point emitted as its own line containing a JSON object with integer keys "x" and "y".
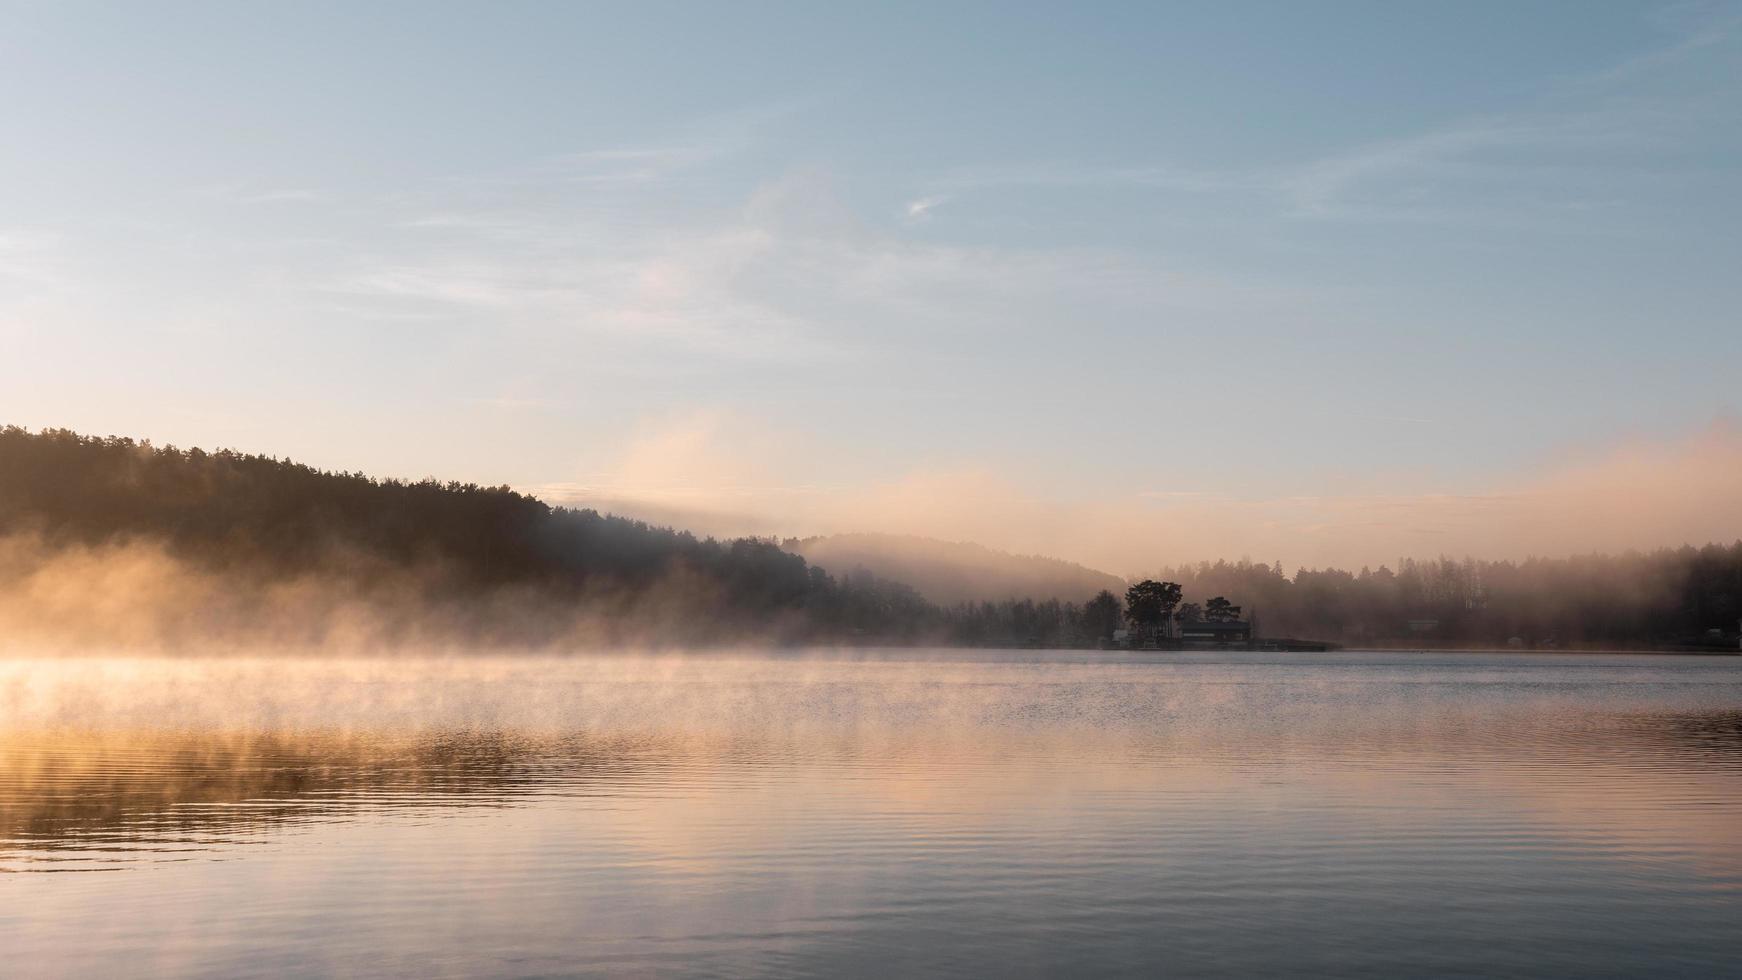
{"x": 771, "y": 282}
{"x": 1550, "y": 148}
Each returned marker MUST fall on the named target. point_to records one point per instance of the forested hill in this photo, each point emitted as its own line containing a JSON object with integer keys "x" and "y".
{"x": 951, "y": 572}
{"x": 258, "y": 519}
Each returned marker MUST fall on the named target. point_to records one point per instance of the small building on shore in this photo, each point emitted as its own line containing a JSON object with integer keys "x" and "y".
{"x": 1216, "y": 634}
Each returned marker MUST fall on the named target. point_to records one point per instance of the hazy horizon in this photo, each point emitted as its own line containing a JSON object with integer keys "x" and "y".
{"x": 1635, "y": 500}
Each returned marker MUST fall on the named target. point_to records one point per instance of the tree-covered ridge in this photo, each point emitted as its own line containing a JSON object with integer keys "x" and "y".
{"x": 259, "y": 516}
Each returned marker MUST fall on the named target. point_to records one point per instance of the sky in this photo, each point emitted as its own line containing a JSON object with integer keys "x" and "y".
{"x": 1129, "y": 284}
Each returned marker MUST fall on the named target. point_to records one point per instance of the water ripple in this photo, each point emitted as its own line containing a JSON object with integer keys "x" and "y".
{"x": 891, "y": 814}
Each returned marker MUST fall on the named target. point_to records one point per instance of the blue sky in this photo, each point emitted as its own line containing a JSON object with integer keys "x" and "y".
{"x": 799, "y": 268}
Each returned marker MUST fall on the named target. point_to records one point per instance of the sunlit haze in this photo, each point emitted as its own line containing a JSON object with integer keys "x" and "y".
{"x": 1127, "y": 285}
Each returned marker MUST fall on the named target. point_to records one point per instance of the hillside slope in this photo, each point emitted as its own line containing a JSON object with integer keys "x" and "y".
{"x": 950, "y": 572}
{"x": 109, "y": 537}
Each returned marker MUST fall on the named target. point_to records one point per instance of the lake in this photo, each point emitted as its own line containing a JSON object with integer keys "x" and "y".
{"x": 887, "y": 813}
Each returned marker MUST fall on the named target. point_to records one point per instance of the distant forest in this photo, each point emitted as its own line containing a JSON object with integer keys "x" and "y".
{"x": 1673, "y": 598}
{"x": 1669, "y": 597}
{"x": 490, "y": 564}
{"x": 496, "y": 564}
{"x": 953, "y": 572}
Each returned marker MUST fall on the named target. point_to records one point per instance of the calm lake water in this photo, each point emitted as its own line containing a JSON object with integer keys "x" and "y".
{"x": 890, "y": 814}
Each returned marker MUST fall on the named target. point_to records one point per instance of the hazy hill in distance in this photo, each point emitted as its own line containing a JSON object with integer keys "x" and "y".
{"x": 950, "y": 572}
{"x": 115, "y": 541}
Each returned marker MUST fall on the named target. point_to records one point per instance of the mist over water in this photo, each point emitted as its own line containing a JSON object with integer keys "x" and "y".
{"x": 880, "y": 812}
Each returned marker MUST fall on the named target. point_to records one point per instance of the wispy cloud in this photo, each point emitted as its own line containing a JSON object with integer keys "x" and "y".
{"x": 615, "y": 165}
{"x": 35, "y": 278}
{"x": 921, "y": 209}
{"x": 1589, "y": 138}
{"x": 703, "y": 142}
{"x": 789, "y": 275}
{"x": 245, "y": 192}
{"x": 31, "y": 259}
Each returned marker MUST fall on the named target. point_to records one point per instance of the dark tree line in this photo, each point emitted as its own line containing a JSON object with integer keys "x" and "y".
{"x": 257, "y": 517}
{"x": 260, "y": 517}
{"x": 1670, "y": 597}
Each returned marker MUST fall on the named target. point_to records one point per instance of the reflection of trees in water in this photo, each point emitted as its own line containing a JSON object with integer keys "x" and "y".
{"x": 163, "y": 792}
{"x": 1718, "y": 733}
{"x": 103, "y": 799}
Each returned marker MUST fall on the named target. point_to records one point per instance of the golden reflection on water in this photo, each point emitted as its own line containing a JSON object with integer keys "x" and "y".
{"x": 712, "y": 800}
{"x": 80, "y": 797}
